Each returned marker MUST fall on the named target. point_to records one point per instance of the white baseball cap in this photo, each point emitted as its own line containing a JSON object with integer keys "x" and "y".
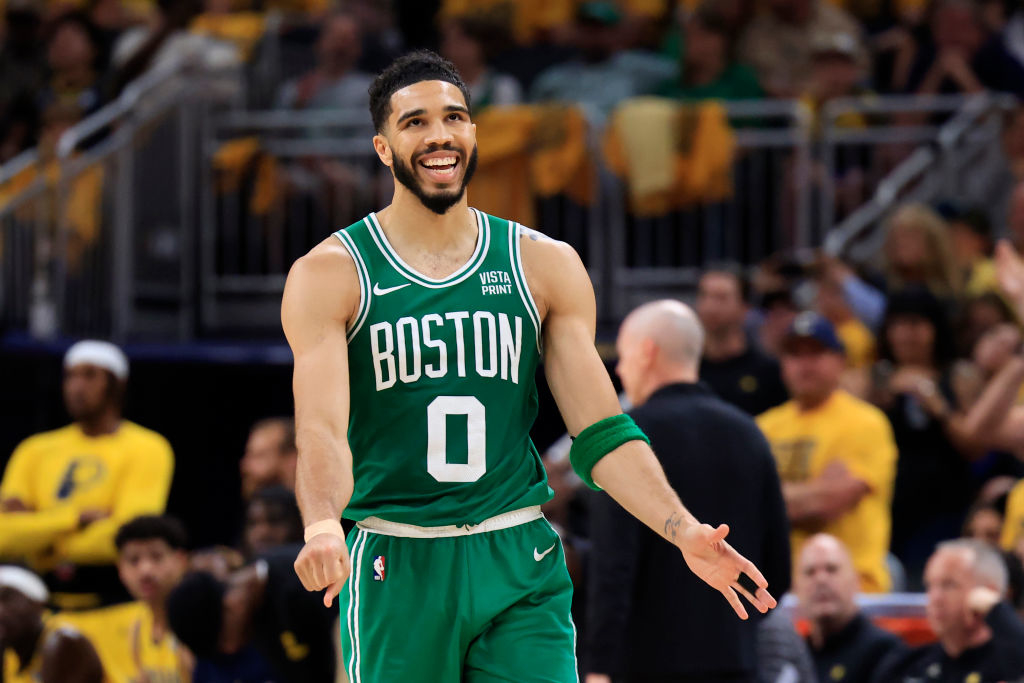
{"x": 99, "y": 353}
{"x": 25, "y": 582}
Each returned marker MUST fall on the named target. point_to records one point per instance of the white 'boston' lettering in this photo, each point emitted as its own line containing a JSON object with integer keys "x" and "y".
{"x": 491, "y": 344}
{"x": 441, "y": 369}
{"x": 511, "y": 347}
{"x": 460, "y": 342}
{"x": 383, "y": 359}
{"x": 405, "y": 373}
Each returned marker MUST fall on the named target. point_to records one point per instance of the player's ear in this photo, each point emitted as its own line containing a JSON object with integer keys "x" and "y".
{"x": 383, "y": 149}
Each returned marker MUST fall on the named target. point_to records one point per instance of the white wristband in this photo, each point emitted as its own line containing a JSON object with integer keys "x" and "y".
{"x": 324, "y": 526}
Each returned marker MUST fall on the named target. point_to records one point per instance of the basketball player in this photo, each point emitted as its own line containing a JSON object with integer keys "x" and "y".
{"x": 416, "y": 333}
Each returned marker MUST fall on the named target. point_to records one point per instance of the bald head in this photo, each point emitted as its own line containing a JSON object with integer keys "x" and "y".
{"x": 659, "y": 343}
{"x": 826, "y": 583}
{"x": 672, "y": 326}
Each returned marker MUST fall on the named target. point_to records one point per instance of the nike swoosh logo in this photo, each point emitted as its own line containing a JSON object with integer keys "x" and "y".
{"x": 540, "y": 556}
{"x": 381, "y": 292}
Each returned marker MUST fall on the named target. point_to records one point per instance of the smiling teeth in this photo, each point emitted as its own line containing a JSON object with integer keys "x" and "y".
{"x": 446, "y": 161}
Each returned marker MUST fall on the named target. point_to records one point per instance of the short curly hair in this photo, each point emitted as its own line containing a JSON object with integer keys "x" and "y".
{"x": 421, "y": 65}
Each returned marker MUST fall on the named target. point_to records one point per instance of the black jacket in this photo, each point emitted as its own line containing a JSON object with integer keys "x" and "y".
{"x": 647, "y": 614}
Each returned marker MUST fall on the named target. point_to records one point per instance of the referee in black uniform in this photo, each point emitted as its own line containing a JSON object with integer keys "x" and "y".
{"x": 648, "y": 619}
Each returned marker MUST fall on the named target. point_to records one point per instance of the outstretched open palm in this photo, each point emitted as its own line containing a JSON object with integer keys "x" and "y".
{"x": 719, "y": 565}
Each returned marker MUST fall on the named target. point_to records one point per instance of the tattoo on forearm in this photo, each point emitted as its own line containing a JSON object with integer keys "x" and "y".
{"x": 672, "y": 525}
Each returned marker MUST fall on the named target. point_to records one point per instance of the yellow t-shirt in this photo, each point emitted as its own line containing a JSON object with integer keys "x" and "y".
{"x": 123, "y": 638}
{"x": 62, "y": 473}
{"x": 858, "y": 342}
{"x": 32, "y": 672}
{"x": 1013, "y": 523}
{"x": 857, "y": 434}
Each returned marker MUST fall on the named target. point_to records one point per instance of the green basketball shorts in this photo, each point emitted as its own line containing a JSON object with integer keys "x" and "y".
{"x": 458, "y": 604}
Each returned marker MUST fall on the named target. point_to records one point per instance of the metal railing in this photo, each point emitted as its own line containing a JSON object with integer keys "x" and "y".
{"x": 99, "y": 240}
{"x": 200, "y": 211}
{"x": 960, "y": 159}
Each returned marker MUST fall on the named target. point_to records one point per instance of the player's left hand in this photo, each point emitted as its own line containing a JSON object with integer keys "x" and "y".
{"x": 719, "y": 565}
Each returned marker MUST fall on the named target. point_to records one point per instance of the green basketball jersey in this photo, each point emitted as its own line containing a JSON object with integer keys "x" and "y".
{"x": 441, "y": 376}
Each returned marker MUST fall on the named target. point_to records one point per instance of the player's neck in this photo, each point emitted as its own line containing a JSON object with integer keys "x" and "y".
{"x": 730, "y": 343}
{"x": 159, "y": 612}
{"x": 407, "y": 222}
{"x": 26, "y": 647}
{"x": 105, "y": 423}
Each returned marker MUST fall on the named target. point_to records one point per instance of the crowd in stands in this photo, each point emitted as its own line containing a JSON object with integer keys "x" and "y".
{"x": 891, "y": 394}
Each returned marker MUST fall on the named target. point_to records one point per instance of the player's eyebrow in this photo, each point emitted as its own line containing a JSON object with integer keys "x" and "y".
{"x": 457, "y": 107}
{"x": 411, "y": 114}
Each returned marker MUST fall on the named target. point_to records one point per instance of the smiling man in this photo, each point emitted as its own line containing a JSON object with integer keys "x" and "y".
{"x": 416, "y": 334}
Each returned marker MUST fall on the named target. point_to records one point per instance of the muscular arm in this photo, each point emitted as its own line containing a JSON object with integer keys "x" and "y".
{"x": 320, "y": 296}
{"x": 69, "y": 657}
{"x": 631, "y": 474}
{"x": 809, "y": 504}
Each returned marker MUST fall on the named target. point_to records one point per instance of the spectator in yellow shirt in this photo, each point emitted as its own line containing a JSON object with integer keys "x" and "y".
{"x": 835, "y": 453}
{"x": 33, "y": 647}
{"x": 66, "y": 492}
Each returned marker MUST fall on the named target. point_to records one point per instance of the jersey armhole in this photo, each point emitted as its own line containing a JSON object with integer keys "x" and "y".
{"x": 365, "y": 291}
{"x": 519, "y": 273}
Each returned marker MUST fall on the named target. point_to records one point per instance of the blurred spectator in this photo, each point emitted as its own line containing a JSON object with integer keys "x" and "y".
{"x": 708, "y": 68}
{"x": 971, "y": 240}
{"x": 980, "y": 314}
{"x": 164, "y": 41}
{"x": 844, "y": 643}
{"x": 73, "y": 54}
{"x": 1011, "y": 538}
{"x": 33, "y": 648}
{"x": 961, "y": 57}
{"x": 223, "y": 21}
{"x": 603, "y": 74}
{"x": 65, "y": 493}
{"x": 1013, "y": 34}
{"x": 334, "y": 83}
{"x": 471, "y": 42}
{"x": 984, "y": 523}
{"x": 270, "y": 456}
{"x": 835, "y": 72}
{"x": 272, "y": 519}
{"x": 265, "y": 605}
{"x": 134, "y": 642}
{"x": 778, "y": 313}
{"x": 735, "y": 369}
{"x": 835, "y": 453}
{"x": 646, "y": 619}
{"x": 917, "y": 251}
{"x": 912, "y": 385}
{"x": 979, "y": 635}
{"x": 779, "y": 42}
{"x": 858, "y": 341}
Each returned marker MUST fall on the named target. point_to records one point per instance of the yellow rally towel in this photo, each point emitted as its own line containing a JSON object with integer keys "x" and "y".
{"x": 672, "y": 155}
{"x": 529, "y": 151}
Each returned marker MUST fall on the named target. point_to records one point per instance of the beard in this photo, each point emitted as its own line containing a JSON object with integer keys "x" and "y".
{"x": 438, "y": 202}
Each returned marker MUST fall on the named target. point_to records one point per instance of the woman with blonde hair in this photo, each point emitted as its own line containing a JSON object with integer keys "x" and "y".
{"x": 918, "y": 252}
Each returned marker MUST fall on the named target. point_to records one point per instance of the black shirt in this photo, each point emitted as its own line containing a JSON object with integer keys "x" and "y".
{"x": 292, "y": 628}
{"x": 1000, "y": 659}
{"x": 750, "y": 381}
{"x": 853, "y": 654}
{"x": 647, "y": 614}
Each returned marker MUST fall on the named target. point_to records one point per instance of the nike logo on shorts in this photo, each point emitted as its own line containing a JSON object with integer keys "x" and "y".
{"x": 540, "y": 556}
{"x": 381, "y": 292}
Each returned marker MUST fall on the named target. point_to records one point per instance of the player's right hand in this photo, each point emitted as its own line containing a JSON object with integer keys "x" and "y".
{"x": 322, "y": 564}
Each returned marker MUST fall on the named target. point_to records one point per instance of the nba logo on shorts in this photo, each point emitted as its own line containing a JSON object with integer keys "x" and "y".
{"x": 378, "y": 568}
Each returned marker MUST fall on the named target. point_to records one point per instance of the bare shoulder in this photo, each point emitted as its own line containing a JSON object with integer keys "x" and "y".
{"x": 553, "y": 269}
{"x": 323, "y": 283}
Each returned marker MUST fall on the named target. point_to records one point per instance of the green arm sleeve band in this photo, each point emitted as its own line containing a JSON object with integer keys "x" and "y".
{"x": 600, "y": 439}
